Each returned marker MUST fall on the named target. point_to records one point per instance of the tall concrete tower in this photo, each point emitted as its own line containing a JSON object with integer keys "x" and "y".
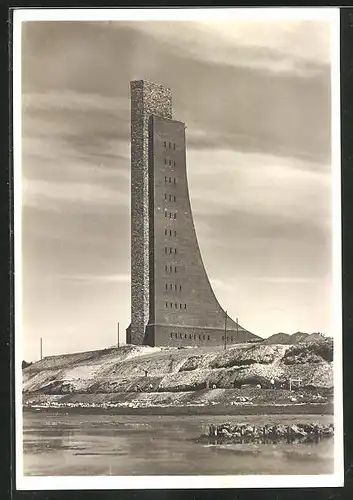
{"x": 172, "y": 301}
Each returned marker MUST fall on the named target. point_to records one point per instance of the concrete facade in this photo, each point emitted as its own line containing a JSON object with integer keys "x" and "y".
{"x": 172, "y": 301}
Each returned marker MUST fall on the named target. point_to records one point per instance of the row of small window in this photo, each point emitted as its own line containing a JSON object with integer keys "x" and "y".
{"x": 169, "y": 144}
{"x": 169, "y": 162}
{"x": 171, "y": 250}
{"x": 170, "y": 232}
{"x": 191, "y": 336}
{"x": 181, "y": 306}
{"x": 171, "y": 198}
{"x": 229, "y": 339}
{"x": 170, "y": 269}
{"x": 170, "y": 287}
{"x": 169, "y": 215}
{"x": 169, "y": 179}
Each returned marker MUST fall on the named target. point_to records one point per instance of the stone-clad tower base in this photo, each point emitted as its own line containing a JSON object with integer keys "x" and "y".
{"x": 172, "y": 301}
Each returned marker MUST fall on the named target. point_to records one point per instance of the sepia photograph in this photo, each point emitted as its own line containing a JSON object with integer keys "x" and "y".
{"x": 177, "y": 221}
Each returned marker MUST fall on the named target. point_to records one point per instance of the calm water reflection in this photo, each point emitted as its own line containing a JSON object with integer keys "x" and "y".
{"x": 69, "y": 444}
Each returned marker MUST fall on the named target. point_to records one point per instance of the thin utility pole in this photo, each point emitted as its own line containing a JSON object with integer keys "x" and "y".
{"x": 237, "y": 321}
{"x": 225, "y": 331}
{"x": 41, "y": 348}
{"x": 118, "y": 336}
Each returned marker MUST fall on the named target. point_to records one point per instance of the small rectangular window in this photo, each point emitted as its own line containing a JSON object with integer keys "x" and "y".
{"x": 176, "y": 305}
{"x": 171, "y": 286}
{"x": 170, "y": 197}
{"x": 170, "y": 232}
{"x": 175, "y": 287}
{"x": 170, "y": 162}
{"x": 174, "y": 163}
{"x": 199, "y": 337}
{"x": 170, "y": 215}
{"x": 165, "y": 196}
{"x": 175, "y": 269}
{"x": 165, "y": 249}
{"x": 165, "y": 232}
{"x": 165, "y": 161}
{"x": 184, "y": 306}
{"x": 179, "y": 288}
{"x": 166, "y": 286}
{"x": 174, "y": 180}
{"x": 171, "y": 305}
{"x": 204, "y": 337}
{"x": 171, "y": 268}
{"x": 170, "y": 180}
{"x": 208, "y": 337}
{"x": 165, "y": 179}
{"x": 181, "y": 305}
{"x": 165, "y": 144}
{"x": 190, "y": 336}
{"x": 175, "y": 250}
{"x": 170, "y": 145}
{"x": 174, "y": 145}
{"x": 181, "y": 335}
{"x": 185, "y": 336}
{"x": 174, "y": 198}
{"x": 174, "y": 233}
{"x": 170, "y": 250}
{"x": 171, "y": 335}
{"x": 166, "y": 267}
{"x": 174, "y": 215}
{"x": 166, "y": 304}
{"x": 194, "y": 337}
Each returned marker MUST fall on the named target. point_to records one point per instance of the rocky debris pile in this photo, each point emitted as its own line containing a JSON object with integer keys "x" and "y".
{"x": 239, "y": 433}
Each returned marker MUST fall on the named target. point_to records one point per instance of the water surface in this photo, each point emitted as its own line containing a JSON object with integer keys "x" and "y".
{"x": 58, "y": 443}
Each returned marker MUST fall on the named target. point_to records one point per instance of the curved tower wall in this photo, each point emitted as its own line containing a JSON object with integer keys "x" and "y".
{"x": 172, "y": 301}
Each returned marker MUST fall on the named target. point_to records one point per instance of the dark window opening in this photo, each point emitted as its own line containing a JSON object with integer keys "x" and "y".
{"x": 171, "y": 305}
{"x": 165, "y": 144}
{"x": 190, "y": 336}
{"x": 166, "y": 286}
{"x": 174, "y": 233}
{"x": 184, "y": 306}
{"x": 181, "y": 306}
{"x": 181, "y": 335}
{"x": 185, "y": 336}
{"x": 165, "y": 249}
{"x": 174, "y": 163}
{"x": 165, "y": 232}
{"x": 170, "y": 268}
{"x": 170, "y": 232}
{"x": 176, "y": 305}
{"x": 165, "y": 179}
{"x": 208, "y": 337}
{"x": 171, "y": 335}
{"x": 204, "y": 337}
{"x": 174, "y": 145}
{"x": 170, "y": 162}
{"x": 175, "y": 287}
{"x": 165, "y": 161}
{"x": 171, "y": 286}
{"x": 174, "y": 198}
{"x": 170, "y": 144}
{"x": 175, "y": 269}
{"x": 174, "y": 180}
{"x": 223, "y": 337}
{"x": 166, "y": 267}
{"x": 170, "y": 215}
{"x": 170, "y": 180}
{"x": 175, "y": 250}
{"x": 194, "y": 337}
{"x": 179, "y": 288}
{"x": 174, "y": 215}
{"x": 165, "y": 196}
{"x": 170, "y": 197}
{"x": 166, "y": 304}
{"x": 199, "y": 337}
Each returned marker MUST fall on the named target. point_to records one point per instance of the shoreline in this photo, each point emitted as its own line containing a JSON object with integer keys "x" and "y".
{"x": 265, "y": 409}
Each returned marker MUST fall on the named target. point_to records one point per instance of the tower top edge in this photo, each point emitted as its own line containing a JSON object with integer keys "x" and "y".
{"x": 148, "y": 83}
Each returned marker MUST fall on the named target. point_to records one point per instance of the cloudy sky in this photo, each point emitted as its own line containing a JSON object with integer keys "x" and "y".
{"x": 256, "y": 100}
